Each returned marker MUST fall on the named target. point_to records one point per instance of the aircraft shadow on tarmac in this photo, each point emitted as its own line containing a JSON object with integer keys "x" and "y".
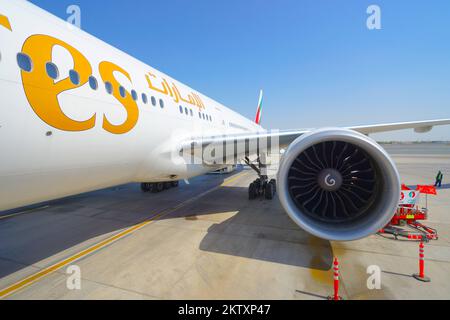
{"x": 60, "y": 225}
{"x": 258, "y": 229}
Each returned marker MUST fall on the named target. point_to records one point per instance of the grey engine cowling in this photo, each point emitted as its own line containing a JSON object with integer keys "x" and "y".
{"x": 338, "y": 184}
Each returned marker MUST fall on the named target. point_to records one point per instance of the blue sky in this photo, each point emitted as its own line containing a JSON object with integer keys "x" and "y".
{"x": 316, "y": 60}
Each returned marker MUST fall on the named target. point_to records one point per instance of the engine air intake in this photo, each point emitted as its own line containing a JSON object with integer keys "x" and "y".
{"x": 338, "y": 184}
{"x": 333, "y": 181}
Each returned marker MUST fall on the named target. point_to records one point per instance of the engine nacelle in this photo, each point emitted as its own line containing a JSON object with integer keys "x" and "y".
{"x": 338, "y": 184}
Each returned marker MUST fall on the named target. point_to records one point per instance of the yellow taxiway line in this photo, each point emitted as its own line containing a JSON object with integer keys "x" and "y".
{"x": 40, "y": 274}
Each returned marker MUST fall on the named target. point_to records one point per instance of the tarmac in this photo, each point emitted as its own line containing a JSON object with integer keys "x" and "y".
{"x": 206, "y": 240}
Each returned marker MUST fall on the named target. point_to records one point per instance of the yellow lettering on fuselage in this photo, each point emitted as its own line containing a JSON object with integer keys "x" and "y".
{"x": 107, "y": 70}
{"x": 42, "y": 91}
{"x": 192, "y": 99}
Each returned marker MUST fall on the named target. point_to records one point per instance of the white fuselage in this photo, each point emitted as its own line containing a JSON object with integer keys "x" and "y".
{"x": 44, "y": 152}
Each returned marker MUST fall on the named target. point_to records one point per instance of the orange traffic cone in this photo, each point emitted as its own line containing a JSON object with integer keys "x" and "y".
{"x": 421, "y": 275}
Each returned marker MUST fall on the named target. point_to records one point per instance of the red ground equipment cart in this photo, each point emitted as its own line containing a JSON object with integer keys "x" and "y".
{"x": 405, "y": 223}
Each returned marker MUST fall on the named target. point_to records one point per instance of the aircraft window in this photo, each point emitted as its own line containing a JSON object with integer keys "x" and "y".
{"x": 144, "y": 98}
{"x": 203, "y": 116}
{"x": 52, "y": 70}
{"x": 74, "y": 77}
{"x": 192, "y": 113}
{"x": 122, "y": 92}
{"x": 154, "y": 101}
{"x": 24, "y": 62}
{"x": 181, "y": 109}
{"x": 161, "y": 103}
{"x": 200, "y": 115}
{"x": 134, "y": 95}
{"x": 93, "y": 83}
{"x": 109, "y": 87}
{"x": 186, "y": 111}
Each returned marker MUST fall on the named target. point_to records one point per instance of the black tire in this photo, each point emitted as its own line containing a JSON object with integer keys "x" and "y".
{"x": 167, "y": 185}
{"x": 274, "y": 183}
{"x": 157, "y": 187}
{"x": 145, "y": 187}
{"x": 269, "y": 191}
{"x": 258, "y": 187}
{"x": 175, "y": 184}
{"x": 252, "y": 191}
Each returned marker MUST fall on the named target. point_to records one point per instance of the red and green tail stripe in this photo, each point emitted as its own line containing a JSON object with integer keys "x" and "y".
{"x": 259, "y": 110}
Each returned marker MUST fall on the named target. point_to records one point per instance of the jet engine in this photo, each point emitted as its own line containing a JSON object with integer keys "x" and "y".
{"x": 338, "y": 184}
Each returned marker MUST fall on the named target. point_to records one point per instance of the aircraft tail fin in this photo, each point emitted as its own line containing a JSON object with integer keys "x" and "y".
{"x": 259, "y": 110}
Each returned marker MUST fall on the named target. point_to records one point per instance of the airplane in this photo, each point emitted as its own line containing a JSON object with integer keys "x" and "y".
{"x": 78, "y": 115}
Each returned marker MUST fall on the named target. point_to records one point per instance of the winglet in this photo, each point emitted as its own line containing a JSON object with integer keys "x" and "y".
{"x": 259, "y": 110}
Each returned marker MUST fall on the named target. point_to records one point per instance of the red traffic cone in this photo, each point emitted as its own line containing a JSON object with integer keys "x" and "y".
{"x": 335, "y": 295}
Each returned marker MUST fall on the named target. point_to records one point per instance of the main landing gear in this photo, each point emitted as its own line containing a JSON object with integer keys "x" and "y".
{"x": 158, "y": 186}
{"x": 261, "y": 187}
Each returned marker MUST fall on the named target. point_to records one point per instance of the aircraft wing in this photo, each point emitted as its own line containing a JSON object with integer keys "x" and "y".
{"x": 418, "y": 126}
{"x": 249, "y": 144}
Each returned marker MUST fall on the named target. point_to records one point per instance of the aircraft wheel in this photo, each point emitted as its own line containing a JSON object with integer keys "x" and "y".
{"x": 145, "y": 187}
{"x": 274, "y": 183}
{"x": 157, "y": 187}
{"x": 269, "y": 191}
{"x": 252, "y": 191}
{"x": 167, "y": 185}
{"x": 175, "y": 184}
